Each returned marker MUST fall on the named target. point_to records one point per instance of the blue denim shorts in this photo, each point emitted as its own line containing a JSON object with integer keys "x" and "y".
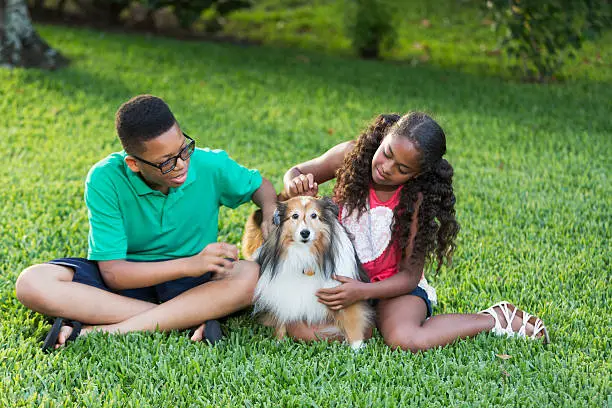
{"x": 88, "y": 273}
{"x": 418, "y": 292}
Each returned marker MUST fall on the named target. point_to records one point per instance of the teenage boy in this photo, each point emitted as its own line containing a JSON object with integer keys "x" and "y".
{"x": 153, "y": 261}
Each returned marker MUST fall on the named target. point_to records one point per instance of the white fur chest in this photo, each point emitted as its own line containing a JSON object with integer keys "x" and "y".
{"x": 290, "y": 294}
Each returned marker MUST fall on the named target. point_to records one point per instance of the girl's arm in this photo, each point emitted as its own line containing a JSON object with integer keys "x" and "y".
{"x": 410, "y": 268}
{"x": 403, "y": 282}
{"x": 304, "y": 178}
{"x": 352, "y": 290}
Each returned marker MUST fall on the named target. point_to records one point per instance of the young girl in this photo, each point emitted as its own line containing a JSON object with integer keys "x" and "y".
{"x": 395, "y": 193}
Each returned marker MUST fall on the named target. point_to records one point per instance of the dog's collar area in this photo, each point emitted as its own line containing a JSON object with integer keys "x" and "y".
{"x": 308, "y": 272}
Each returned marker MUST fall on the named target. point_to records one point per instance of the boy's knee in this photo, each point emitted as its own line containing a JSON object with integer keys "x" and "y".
{"x": 249, "y": 275}
{"x": 26, "y": 286}
{"x": 33, "y": 282}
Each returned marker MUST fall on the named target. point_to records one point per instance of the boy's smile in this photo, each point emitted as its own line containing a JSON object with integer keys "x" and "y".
{"x": 165, "y": 146}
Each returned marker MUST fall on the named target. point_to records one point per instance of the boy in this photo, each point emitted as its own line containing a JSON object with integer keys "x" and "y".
{"x": 153, "y": 260}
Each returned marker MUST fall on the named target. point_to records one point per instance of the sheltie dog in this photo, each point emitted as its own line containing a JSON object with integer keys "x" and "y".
{"x": 305, "y": 247}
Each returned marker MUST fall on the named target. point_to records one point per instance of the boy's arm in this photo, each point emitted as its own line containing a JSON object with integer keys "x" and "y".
{"x": 108, "y": 244}
{"x": 265, "y": 198}
{"x": 121, "y": 274}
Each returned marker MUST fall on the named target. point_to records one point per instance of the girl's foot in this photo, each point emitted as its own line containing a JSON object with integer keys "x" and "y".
{"x": 522, "y": 324}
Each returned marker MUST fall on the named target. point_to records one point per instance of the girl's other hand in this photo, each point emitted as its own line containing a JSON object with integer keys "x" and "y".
{"x": 344, "y": 295}
{"x": 302, "y": 185}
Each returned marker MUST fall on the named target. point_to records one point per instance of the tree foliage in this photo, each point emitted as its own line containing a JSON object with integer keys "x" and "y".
{"x": 370, "y": 26}
{"x": 540, "y": 35}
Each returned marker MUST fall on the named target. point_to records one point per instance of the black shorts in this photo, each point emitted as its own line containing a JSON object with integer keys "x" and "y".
{"x": 88, "y": 273}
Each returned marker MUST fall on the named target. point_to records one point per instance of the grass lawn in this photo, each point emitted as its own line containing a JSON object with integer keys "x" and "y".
{"x": 532, "y": 176}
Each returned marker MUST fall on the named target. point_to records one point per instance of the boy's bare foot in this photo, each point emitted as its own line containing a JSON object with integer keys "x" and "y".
{"x": 63, "y": 331}
{"x": 198, "y": 333}
{"x": 210, "y": 331}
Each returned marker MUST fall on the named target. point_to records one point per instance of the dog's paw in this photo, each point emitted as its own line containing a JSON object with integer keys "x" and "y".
{"x": 357, "y": 345}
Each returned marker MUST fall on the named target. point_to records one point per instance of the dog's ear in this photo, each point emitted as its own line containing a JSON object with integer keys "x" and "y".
{"x": 327, "y": 204}
{"x": 279, "y": 213}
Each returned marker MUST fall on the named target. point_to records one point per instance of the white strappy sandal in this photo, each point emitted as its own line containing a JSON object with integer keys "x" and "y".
{"x": 509, "y": 315}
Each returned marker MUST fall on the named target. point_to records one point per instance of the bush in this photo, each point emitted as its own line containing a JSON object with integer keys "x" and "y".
{"x": 188, "y": 11}
{"x": 542, "y": 34}
{"x": 370, "y": 26}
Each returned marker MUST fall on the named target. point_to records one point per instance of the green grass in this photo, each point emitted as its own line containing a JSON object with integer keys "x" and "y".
{"x": 454, "y": 34}
{"x": 533, "y": 196}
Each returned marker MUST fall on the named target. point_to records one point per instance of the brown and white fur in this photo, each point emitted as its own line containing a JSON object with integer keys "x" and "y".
{"x": 306, "y": 246}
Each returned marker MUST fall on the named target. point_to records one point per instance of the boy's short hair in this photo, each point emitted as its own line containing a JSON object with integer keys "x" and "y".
{"x": 142, "y": 118}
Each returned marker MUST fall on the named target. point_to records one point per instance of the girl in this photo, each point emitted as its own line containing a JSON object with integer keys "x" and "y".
{"x": 395, "y": 194}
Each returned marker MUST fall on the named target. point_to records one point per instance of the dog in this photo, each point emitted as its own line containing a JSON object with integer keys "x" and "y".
{"x": 305, "y": 247}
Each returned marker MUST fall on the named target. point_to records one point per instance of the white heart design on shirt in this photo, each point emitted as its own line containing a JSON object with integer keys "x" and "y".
{"x": 371, "y": 233}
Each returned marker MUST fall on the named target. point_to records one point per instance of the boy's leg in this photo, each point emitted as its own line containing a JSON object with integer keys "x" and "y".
{"x": 49, "y": 289}
{"x": 212, "y": 300}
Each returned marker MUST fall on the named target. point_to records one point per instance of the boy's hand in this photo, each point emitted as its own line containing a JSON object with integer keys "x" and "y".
{"x": 213, "y": 259}
{"x": 344, "y": 295}
{"x": 302, "y": 185}
{"x": 266, "y": 223}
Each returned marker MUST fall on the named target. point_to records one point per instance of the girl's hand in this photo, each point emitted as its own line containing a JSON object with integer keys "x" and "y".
{"x": 302, "y": 185}
{"x": 344, "y": 295}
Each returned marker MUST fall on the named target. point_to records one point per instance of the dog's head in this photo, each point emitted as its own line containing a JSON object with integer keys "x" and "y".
{"x": 305, "y": 220}
{"x": 308, "y": 225}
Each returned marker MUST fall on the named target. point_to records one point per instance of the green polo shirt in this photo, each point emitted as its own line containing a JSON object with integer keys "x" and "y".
{"x": 130, "y": 220}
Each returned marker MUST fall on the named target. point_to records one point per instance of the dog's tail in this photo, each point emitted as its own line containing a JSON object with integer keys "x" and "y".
{"x": 252, "y": 238}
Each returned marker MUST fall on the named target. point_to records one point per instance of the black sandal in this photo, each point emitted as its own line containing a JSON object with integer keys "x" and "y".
{"x": 51, "y": 339}
{"x": 212, "y": 331}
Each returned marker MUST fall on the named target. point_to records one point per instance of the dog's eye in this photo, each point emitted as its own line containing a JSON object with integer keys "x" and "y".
{"x": 313, "y": 215}
{"x": 295, "y": 216}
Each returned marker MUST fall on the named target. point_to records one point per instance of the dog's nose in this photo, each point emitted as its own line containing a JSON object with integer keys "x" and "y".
{"x": 305, "y": 233}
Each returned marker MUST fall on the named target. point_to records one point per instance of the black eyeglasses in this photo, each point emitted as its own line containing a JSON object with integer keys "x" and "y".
{"x": 169, "y": 165}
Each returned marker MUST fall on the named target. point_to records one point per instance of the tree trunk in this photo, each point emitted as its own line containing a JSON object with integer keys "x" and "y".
{"x": 20, "y": 45}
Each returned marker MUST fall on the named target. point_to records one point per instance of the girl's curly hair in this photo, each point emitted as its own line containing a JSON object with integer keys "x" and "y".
{"x": 437, "y": 226}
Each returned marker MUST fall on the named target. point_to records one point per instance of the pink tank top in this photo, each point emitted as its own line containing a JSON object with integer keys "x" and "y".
{"x": 372, "y": 236}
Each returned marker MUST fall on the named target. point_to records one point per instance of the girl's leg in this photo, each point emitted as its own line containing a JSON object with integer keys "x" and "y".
{"x": 403, "y": 324}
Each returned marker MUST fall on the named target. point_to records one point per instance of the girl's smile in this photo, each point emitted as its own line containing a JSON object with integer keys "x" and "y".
{"x": 396, "y": 161}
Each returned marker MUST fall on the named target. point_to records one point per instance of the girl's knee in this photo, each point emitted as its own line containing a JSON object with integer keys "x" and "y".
{"x": 408, "y": 341}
